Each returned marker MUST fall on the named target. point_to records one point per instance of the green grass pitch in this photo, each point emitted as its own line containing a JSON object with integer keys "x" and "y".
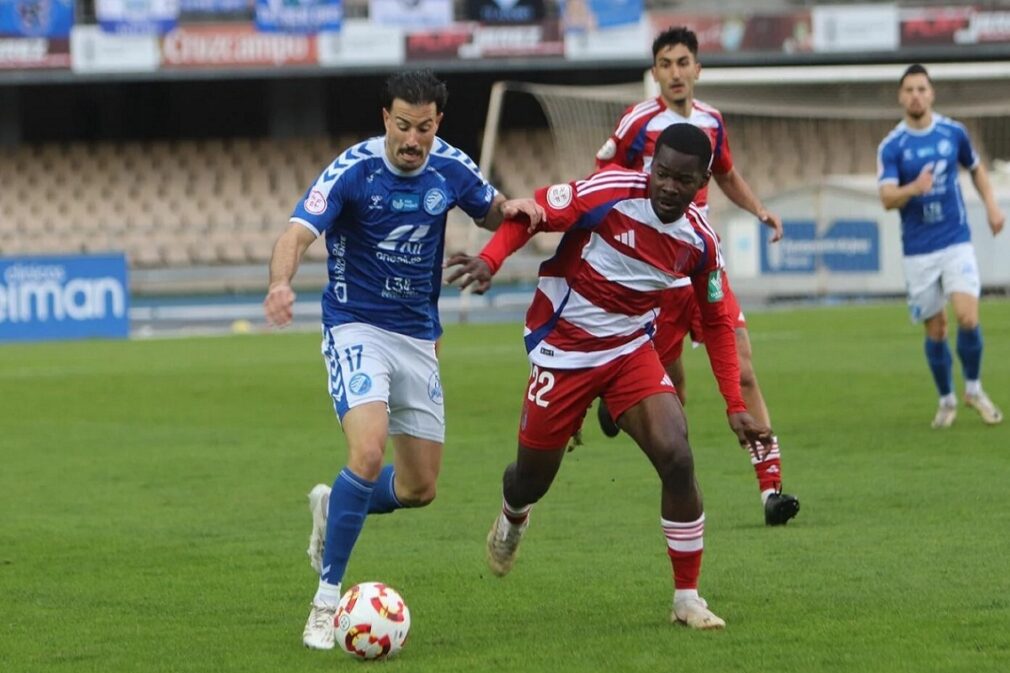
{"x": 153, "y": 514}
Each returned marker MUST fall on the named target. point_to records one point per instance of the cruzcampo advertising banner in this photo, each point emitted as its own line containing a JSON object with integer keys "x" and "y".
{"x": 36, "y": 18}
{"x": 63, "y": 297}
{"x": 299, "y": 16}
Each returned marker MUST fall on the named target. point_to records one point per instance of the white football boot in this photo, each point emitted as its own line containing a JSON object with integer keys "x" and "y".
{"x": 693, "y": 611}
{"x": 990, "y": 413}
{"x": 945, "y": 415}
{"x": 319, "y": 632}
{"x": 503, "y": 543}
{"x": 319, "y": 503}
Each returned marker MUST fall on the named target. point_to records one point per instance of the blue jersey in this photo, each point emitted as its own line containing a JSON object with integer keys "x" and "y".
{"x": 385, "y": 233}
{"x": 936, "y": 219}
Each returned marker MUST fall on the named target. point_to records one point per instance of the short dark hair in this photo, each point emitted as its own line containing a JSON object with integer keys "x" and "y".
{"x": 915, "y": 69}
{"x": 416, "y": 87}
{"x": 675, "y": 35}
{"x": 687, "y": 139}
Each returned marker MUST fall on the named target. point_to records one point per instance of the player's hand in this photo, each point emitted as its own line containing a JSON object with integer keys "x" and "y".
{"x": 473, "y": 270}
{"x": 924, "y": 182}
{"x": 529, "y": 208}
{"x": 753, "y": 436}
{"x": 773, "y": 222}
{"x": 996, "y": 221}
{"x": 279, "y": 304}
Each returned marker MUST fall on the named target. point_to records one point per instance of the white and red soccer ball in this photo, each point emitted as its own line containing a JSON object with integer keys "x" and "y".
{"x": 372, "y": 621}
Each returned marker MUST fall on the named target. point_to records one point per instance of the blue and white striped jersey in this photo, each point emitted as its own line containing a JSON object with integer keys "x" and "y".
{"x": 937, "y": 219}
{"x": 385, "y": 233}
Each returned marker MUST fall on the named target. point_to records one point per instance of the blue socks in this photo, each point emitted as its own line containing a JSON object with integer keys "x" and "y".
{"x": 383, "y": 496}
{"x": 351, "y": 500}
{"x": 345, "y": 517}
{"x": 969, "y": 351}
{"x": 938, "y": 357}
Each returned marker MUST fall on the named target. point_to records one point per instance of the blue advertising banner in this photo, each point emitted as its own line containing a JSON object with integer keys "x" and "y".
{"x": 847, "y": 246}
{"x": 215, "y": 6}
{"x": 137, "y": 17}
{"x": 610, "y": 13}
{"x": 36, "y": 18}
{"x": 64, "y": 297}
{"x": 299, "y": 16}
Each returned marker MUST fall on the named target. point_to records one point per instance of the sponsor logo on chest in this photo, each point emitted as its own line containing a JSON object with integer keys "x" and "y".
{"x": 404, "y": 202}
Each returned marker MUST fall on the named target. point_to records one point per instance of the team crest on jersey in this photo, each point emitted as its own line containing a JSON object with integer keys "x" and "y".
{"x": 435, "y": 388}
{"x": 315, "y": 202}
{"x": 608, "y": 151}
{"x": 435, "y": 201}
{"x": 360, "y": 383}
{"x": 559, "y": 196}
{"x": 404, "y": 202}
{"x": 715, "y": 286}
{"x": 944, "y": 148}
{"x": 376, "y": 202}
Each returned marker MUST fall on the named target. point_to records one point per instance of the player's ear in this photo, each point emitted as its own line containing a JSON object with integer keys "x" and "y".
{"x": 705, "y": 177}
{"x": 438, "y": 119}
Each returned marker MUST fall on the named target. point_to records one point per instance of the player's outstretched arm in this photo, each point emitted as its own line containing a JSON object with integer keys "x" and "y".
{"x": 739, "y": 192}
{"x": 503, "y": 209}
{"x": 278, "y": 306}
{"x": 471, "y": 272}
{"x": 478, "y": 271}
{"x": 995, "y": 216}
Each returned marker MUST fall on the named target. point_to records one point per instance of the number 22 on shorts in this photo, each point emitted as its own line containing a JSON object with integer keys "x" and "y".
{"x": 541, "y": 383}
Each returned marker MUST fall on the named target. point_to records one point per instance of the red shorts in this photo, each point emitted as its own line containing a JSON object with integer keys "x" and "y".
{"x": 680, "y": 315}
{"x": 557, "y": 399}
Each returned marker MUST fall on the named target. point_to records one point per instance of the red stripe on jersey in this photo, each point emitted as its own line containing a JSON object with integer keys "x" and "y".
{"x": 670, "y": 255}
{"x": 613, "y": 297}
{"x": 636, "y": 113}
{"x": 569, "y": 337}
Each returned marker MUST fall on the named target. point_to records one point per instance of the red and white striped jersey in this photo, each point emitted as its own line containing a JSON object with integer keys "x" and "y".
{"x": 598, "y": 297}
{"x": 633, "y": 142}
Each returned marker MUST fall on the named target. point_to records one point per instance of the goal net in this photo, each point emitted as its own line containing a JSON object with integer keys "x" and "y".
{"x": 788, "y": 126}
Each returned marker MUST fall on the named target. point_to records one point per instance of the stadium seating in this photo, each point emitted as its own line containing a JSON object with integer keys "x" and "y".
{"x": 223, "y": 202}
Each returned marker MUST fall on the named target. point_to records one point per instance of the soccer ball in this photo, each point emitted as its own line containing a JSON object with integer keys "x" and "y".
{"x": 372, "y": 621}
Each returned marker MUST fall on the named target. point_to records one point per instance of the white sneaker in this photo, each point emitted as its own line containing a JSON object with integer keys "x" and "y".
{"x": 945, "y": 415}
{"x": 319, "y": 632}
{"x": 503, "y": 543}
{"x": 693, "y": 611}
{"x": 319, "y": 503}
{"x": 990, "y": 413}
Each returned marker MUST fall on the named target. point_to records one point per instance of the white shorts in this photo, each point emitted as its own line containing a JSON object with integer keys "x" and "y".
{"x": 369, "y": 364}
{"x": 932, "y": 277}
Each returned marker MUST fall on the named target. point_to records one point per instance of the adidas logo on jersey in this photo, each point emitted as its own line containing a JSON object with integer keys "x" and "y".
{"x": 666, "y": 381}
{"x": 627, "y": 238}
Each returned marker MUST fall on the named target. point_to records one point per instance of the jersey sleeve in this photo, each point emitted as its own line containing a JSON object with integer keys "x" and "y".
{"x": 966, "y": 154}
{"x": 323, "y": 202}
{"x": 719, "y": 326}
{"x": 474, "y": 194}
{"x": 584, "y": 203}
{"x": 887, "y": 164}
{"x": 615, "y": 151}
{"x": 722, "y": 157}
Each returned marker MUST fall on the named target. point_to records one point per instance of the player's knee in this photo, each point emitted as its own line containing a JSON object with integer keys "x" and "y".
{"x": 677, "y": 468}
{"x": 366, "y": 462}
{"x": 417, "y": 495}
{"x": 967, "y": 320}
{"x": 675, "y": 463}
